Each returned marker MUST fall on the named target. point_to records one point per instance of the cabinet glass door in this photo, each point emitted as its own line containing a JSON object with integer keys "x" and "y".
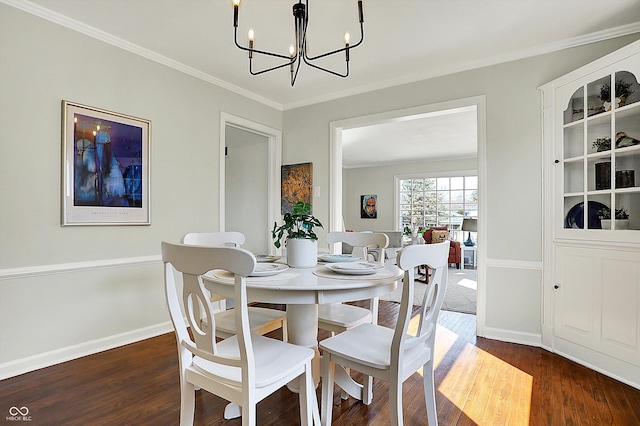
{"x": 601, "y": 155}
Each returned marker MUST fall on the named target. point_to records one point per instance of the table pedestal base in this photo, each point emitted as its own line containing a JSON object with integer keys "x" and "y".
{"x": 301, "y": 319}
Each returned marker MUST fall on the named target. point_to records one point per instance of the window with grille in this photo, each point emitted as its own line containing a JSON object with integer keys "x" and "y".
{"x": 438, "y": 201}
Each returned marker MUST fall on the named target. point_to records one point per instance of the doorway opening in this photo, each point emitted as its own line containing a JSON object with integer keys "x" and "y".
{"x": 339, "y": 193}
{"x": 262, "y": 209}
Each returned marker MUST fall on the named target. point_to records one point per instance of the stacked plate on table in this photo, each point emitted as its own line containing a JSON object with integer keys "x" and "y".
{"x": 267, "y": 269}
{"x": 337, "y": 258}
{"x": 355, "y": 268}
{"x": 267, "y": 258}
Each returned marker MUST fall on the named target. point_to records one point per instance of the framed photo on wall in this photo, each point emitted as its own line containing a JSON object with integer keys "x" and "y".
{"x": 368, "y": 206}
{"x": 105, "y": 167}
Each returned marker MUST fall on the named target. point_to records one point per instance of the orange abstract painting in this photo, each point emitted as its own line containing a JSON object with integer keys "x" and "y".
{"x": 297, "y": 185}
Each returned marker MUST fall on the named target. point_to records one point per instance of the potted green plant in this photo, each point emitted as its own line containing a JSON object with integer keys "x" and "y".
{"x": 602, "y": 144}
{"x": 298, "y": 231}
{"x": 623, "y": 90}
{"x": 621, "y": 218}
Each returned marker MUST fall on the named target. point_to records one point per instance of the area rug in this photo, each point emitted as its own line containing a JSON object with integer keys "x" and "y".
{"x": 461, "y": 292}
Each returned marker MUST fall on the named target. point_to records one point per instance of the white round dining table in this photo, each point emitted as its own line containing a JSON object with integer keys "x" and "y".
{"x": 302, "y": 290}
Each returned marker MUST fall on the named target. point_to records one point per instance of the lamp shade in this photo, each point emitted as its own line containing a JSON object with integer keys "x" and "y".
{"x": 470, "y": 225}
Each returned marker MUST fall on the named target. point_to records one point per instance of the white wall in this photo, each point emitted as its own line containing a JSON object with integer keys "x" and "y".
{"x": 513, "y": 195}
{"x": 381, "y": 181}
{"x": 65, "y": 291}
{"x": 69, "y": 290}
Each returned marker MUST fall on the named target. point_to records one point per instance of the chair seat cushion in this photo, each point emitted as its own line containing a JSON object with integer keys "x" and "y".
{"x": 367, "y": 344}
{"x": 346, "y": 316}
{"x": 274, "y": 360}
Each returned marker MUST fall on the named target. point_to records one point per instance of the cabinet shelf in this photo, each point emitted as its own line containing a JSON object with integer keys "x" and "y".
{"x": 596, "y": 170}
{"x": 601, "y": 116}
{"x": 573, "y": 194}
{"x": 574, "y": 123}
{"x": 574, "y": 159}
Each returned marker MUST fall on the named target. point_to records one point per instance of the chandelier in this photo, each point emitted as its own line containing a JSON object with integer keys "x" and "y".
{"x": 298, "y": 51}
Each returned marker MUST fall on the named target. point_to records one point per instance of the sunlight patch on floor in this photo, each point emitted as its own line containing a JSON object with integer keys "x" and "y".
{"x": 508, "y": 402}
{"x": 465, "y": 282}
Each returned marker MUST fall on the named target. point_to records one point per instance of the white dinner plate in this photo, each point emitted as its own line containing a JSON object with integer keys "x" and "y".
{"x": 338, "y": 258}
{"x": 267, "y": 257}
{"x": 358, "y": 268}
{"x": 267, "y": 269}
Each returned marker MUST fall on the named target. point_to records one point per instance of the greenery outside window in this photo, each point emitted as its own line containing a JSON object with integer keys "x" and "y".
{"x": 438, "y": 201}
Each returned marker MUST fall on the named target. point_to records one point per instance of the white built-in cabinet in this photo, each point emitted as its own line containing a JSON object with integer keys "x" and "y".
{"x": 591, "y": 145}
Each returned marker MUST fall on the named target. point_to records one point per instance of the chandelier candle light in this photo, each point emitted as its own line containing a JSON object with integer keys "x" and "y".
{"x": 297, "y": 51}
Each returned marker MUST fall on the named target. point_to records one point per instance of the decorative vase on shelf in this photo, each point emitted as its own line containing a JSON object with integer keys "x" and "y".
{"x": 620, "y": 223}
{"x": 603, "y": 175}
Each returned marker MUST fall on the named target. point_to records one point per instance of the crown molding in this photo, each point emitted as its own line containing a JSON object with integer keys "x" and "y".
{"x": 436, "y": 71}
{"x": 433, "y": 72}
{"x": 93, "y": 32}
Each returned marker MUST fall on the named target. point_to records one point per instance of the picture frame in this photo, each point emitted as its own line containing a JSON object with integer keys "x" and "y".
{"x": 105, "y": 167}
{"x": 369, "y": 206}
{"x": 296, "y": 185}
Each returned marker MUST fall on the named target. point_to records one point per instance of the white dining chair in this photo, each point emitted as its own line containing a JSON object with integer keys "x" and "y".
{"x": 395, "y": 354}
{"x": 338, "y": 317}
{"x": 261, "y": 320}
{"x": 244, "y": 368}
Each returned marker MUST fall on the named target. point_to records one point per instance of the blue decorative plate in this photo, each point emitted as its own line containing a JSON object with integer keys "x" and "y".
{"x": 575, "y": 217}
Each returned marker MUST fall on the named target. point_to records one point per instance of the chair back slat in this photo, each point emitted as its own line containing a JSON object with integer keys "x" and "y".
{"x": 192, "y": 262}
{"x": 361, "y": 242}
{"x": 435, "y": 256}
{"x": 214, "y": 239}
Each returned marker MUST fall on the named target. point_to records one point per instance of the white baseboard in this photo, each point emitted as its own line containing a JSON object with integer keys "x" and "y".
{"x": 602, "y": 363}
{"x": 511, "y": 336}
{"x": 46, "y": 359}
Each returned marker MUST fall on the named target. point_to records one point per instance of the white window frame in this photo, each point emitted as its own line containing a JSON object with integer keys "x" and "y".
{"x": 449, "y": 174}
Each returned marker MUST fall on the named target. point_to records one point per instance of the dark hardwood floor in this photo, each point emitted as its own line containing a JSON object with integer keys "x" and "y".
{"x": 478, "y": 381}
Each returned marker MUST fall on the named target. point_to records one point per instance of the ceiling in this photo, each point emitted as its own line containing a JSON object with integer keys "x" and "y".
{"x": 405, "y": 41}
{"x": 448, "y": 134}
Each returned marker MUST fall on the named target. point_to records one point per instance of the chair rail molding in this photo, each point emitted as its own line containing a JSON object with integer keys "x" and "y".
{"x": 62, "y": 268}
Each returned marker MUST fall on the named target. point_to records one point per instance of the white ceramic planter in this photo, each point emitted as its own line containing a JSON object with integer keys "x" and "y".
{"x": 302, "y": 253}
{"x": 620, "y": 223}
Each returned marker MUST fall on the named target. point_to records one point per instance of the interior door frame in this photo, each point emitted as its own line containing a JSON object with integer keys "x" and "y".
{"x": 335, "y": 175}
{"x": 274, "y": 149}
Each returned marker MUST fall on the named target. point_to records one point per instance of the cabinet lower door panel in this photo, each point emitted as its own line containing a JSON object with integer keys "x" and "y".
{"x": 620, "y": 303}
{"x": 597, "y": 302}
{"x": 574, "y": 298}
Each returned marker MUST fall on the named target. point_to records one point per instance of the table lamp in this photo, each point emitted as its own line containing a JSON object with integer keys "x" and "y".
{"x": 470, "y": 225}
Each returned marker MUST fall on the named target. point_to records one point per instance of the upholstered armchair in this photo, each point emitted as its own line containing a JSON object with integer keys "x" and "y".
{"x": 455, "y": 253}
{"x": 437, "y": 234}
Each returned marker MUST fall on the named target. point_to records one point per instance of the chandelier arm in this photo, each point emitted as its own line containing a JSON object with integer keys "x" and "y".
{"x": 268, "y": 69}
{"x": 311, "y": 64}
{"x": 262, "y": 52}
{"x": 294, "y": 76}
{"x": 313, "y": 58}
{"x": 308, "y": 60}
